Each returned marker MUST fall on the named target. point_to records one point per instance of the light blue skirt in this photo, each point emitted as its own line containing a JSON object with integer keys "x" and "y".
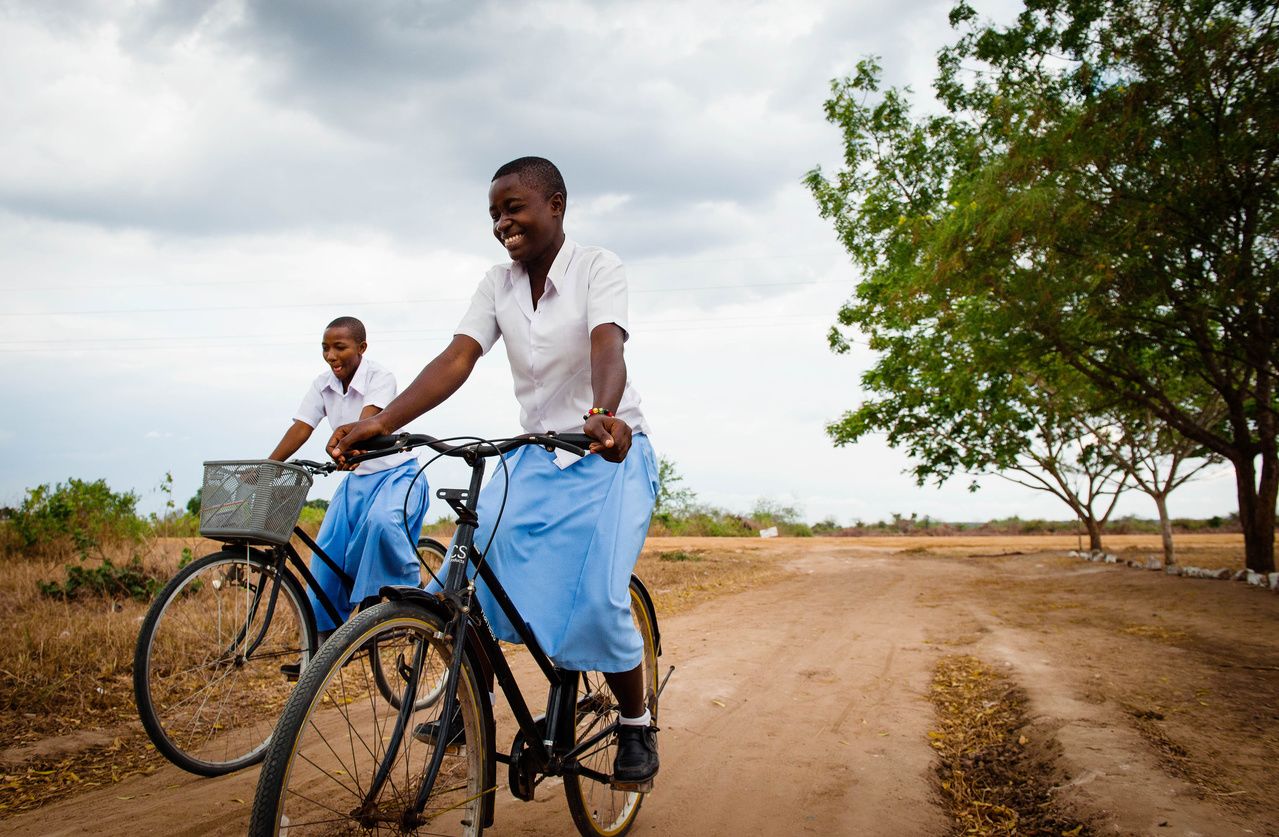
{"x": 364, "y": 533}
{"x": 565, "y": 548}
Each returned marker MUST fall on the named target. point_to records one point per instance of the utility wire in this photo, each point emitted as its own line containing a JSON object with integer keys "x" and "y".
{"x": 178, "y": 283}
{"x": 399, "y": 302}
{"x": 204, "y": 342}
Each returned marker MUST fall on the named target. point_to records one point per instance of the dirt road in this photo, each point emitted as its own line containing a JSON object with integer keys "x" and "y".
{"x": 802, "y": 707}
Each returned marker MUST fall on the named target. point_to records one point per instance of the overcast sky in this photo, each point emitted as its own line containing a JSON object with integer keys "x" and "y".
{"x": 191, "y": 190}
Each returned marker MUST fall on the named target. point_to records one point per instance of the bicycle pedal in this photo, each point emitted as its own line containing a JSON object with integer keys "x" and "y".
{"x": 638, "y": 787}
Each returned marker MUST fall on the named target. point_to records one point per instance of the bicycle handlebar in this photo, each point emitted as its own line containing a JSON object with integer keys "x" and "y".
{"x": 315, "y": 467}
{"x": 379, "y": 446}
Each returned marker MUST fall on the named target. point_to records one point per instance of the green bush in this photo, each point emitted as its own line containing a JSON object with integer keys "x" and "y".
{"x": 85, "y": 515}
{"x": 311, "y": 517}
{"x": 105, "y": 580}
{"x": 681, "y": 555}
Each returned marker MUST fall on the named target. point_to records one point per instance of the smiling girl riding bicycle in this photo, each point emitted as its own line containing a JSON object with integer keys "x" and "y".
{"x": 365, "y": 526}
{"x": 571, "y": 529}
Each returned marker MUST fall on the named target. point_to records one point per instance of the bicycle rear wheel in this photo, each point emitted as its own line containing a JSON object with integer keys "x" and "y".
{"x": 430, "y": 553}
{"x": 206, "y": 668}
{"x": 337, "y": 731}
{"x": 599, "y": 809}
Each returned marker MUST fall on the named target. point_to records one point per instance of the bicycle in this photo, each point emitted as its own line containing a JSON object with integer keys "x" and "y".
{"x": 206, "y": 668}
{"x": 343, "y": 761}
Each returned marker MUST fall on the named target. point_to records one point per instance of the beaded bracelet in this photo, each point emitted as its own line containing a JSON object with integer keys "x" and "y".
{"x": 597, "y": 411}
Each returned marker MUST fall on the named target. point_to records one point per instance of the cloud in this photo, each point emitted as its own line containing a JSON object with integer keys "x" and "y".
{"x": 198, "y": 118}
{"x": 192, "y": 189}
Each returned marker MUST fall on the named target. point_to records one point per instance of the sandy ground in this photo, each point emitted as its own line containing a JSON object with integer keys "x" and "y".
{"x": 801, "y": 706}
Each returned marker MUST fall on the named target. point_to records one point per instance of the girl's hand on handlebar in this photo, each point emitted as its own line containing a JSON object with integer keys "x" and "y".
{"x": 612, "y": 436}
{"x": 345, "y": 440}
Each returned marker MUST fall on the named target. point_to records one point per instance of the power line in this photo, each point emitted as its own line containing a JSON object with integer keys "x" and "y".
{"x": 178, "y": 283}
{"x": 203, "y": 342}
{"x": 202, "y": 308}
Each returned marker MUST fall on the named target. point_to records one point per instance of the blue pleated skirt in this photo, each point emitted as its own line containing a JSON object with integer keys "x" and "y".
{"x": 565, "y": 548}
{"x": 364, "y": 533}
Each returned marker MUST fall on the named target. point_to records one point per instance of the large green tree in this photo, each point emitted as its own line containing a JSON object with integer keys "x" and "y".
{"x": 1098, "y": 194}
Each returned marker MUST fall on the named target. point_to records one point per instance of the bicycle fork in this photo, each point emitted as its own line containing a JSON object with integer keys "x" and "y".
{"x": 411, "y": 817}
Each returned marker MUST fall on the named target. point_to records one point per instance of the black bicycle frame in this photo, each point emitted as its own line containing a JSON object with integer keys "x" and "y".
{"x": 277, "y": 558}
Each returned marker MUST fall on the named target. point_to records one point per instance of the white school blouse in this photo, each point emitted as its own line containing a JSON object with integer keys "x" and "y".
{"x": 372, "y": 384}
{"x": 549, "y": 347}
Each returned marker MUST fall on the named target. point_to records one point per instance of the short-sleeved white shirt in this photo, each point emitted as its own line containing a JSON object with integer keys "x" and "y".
{"x": 549, "y": 347}
{"x": 372, "y": 384}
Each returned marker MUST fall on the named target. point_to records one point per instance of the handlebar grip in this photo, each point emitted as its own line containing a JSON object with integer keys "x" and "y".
{"x": 575, "y": 443}
{"x": 379, "y": 442}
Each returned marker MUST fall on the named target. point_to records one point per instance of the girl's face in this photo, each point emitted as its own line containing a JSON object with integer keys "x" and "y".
{"x": 342, "y": 353}
{"x": 526, "y": 222}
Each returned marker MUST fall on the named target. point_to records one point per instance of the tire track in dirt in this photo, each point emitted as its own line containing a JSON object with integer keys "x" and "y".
{"x": 800, "y": 707}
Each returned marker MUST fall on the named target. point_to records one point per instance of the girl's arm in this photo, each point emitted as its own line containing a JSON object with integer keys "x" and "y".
{"x": 433, "y": 385}
{"x": 294, "y": 438}
{"x": 608, "y": 380}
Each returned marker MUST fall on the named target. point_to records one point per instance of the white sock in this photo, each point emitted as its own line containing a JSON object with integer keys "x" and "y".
{"x": 641, "y": 721}
{"x": 492, "y": 698}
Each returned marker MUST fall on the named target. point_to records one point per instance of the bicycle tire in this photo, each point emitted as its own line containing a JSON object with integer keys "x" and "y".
{"x": 430, "y": 553}
{"x": 205, "y": 707}
{"x": 335, "y": 730}
{"x": 598, "y": 809}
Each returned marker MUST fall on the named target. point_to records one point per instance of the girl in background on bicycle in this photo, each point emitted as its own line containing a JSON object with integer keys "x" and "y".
{"x": 364, "y": 529}
{"x": 572, "y": 529}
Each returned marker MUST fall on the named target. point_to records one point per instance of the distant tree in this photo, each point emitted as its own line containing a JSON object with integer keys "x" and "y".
{"x": 671, "y": 498}
{"x": 1099, "y": 193}
{"x": 1157, "y": 459}
{"x": 193, "y": 505}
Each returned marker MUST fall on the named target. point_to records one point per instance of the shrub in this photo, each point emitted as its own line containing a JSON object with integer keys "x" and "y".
{"x": 105, "y": 580}
{"x": 85, "y": 515}
{"x": 681, "y": 555}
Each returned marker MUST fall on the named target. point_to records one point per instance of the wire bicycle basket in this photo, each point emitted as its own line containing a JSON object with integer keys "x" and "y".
{"x": 252, "y": 499}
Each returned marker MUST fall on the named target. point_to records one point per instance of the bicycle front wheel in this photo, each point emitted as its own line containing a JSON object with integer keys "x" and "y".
{"x": 344, "y": 760}
{"x": 599, "y": 809}
{"x": 206, "y": 668}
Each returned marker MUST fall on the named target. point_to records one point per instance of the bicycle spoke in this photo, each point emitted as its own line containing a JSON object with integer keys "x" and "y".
{"x": 358, "y": 794}
{"x": 207, "y": 707}
{"x": 316, "y": 774}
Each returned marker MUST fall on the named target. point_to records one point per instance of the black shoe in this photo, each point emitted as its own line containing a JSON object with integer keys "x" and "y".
{"x": 427, "y": 732}
{"x": 636, "y": 762}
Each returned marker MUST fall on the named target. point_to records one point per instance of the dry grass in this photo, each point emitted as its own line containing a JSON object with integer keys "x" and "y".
{"x": 43, "y": 779}
{"x": 994, "y": 774}
{"x": 66, "y": 666}
{"x": 683, "y": 572}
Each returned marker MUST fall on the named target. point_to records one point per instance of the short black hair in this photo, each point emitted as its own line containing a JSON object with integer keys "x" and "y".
{"x": 538, "y": 172}
{"x": 352, "y": 325}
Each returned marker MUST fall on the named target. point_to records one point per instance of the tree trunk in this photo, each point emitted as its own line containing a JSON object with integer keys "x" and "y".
{"x": 1094, "y": 533}
{"x": 1257, "y": 512}
{"x": 1165, "y": 528}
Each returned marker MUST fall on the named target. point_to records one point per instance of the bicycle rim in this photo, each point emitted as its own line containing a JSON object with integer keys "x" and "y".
{"x": 337, "y": 729}
{"x": 207, "y": 664}
{"x": 598, "y": 809}
{"x": 430, "y": 554}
